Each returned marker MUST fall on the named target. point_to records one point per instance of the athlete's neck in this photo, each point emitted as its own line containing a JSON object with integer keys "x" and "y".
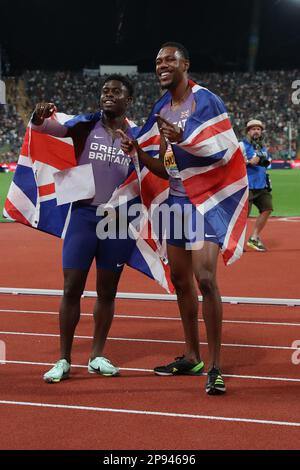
{"x": 181, "y": 92}
{"x": 114, "y": 122}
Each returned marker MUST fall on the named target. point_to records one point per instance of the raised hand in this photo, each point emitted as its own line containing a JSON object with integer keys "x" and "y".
{"x": 127, "y": 145}
{"x": 170, "y": 131}
{"x": 43, "y": 111}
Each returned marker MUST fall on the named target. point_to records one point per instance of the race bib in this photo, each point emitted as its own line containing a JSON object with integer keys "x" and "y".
{"x": 170, "y": 163}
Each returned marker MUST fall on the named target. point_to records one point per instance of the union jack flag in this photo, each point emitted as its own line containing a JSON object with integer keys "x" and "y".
{"x": 213, "y": 171}
{"x": 31, "y": 198}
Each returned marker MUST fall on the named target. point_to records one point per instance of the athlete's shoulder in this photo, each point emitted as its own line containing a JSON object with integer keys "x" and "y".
{"x": 83, "y": 118}
{"x": 208, "y": 98}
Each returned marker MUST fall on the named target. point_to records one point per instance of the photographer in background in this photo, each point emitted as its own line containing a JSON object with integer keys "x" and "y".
{"x": 257, "y": 161}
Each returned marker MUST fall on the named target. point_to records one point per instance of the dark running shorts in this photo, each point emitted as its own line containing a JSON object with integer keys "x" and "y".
{"x": 261, "y": 198}
{"x": 194, "y": 229}
{"x": 81, "y": 244}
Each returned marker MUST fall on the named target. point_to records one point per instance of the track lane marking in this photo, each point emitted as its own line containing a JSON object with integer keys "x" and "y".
{"x": 144, "y": 340}
{"x": 145, "y": 317}
{"x": 131, "y": 369}
{"x": 151, "y": 413}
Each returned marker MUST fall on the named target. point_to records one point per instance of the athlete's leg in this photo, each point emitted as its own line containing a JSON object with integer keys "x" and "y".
{"x": 180, "y": 261}
{"x": 205, "y": 268}
{"x": 107, "y": 284}
{"x": 79, "y": 249}
{"x": 69, "y": 312}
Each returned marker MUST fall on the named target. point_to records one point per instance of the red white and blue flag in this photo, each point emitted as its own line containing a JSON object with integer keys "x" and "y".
{"x": 31, "y": 199}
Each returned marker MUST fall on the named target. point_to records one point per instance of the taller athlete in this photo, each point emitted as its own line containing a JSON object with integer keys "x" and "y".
{"x": 187, "y": 257}
{"x": 96, "y": 142}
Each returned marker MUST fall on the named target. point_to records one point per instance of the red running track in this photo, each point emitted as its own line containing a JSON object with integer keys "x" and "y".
{"x": 139, "y": 410}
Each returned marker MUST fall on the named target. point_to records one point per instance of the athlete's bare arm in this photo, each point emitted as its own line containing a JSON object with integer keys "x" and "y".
{"x": 40, "y": 121}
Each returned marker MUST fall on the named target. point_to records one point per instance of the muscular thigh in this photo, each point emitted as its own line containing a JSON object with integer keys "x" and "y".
{"x": 180, "y": 261}
{"x": 80, "y": 243}
{"x": 205, "y": 261}
{"x": 107, "y": 283}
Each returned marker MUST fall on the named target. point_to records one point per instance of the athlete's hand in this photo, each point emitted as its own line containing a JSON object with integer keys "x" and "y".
{"x": 43, "y": 111}
{"x": 170, "y": 131}
{"x": 127, "y": 145}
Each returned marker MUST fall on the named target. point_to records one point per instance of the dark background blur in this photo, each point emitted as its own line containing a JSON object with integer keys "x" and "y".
{"x": 74, "y": 34}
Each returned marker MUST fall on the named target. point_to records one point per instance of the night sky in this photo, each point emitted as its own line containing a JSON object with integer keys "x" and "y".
{"x": 72, "y": 34}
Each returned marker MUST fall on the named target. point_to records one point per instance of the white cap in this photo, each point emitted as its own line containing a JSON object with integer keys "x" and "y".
{"x": 255, "y": 122}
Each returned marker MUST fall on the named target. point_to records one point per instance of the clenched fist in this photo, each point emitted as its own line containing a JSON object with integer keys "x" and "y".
{"x": 42, "y": 111}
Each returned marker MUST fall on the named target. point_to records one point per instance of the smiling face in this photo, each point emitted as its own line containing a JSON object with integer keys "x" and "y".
{"x": 114, "y": 98}
{"x": 171, "y": 67}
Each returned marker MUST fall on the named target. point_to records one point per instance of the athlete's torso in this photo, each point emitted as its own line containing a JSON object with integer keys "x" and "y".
{"x": 95, "y": 145}
{"x": 177, "y": 116}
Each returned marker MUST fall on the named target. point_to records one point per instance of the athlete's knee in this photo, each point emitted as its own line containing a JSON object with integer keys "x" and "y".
{"x": 207, "y": 282}
{"x": 72, "y": 291}
{"x": 107, "y": 294}
{"x": 180, "y": 282}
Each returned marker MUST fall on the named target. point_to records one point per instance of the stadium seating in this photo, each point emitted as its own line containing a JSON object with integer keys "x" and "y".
{"x": 264, "y": 95}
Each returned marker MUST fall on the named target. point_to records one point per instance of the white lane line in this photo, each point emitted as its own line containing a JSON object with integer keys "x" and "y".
{"x": 145, "y": 317}
{"x": 151, "y": 413}
{"x": 143, "y": 340}
{"x": 76, "y": 366}
{"x": 131, "y": 369}
{"x": 149, "y": 296}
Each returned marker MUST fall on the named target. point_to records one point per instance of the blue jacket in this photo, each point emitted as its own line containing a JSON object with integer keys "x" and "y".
{"x": 256, "y": 174}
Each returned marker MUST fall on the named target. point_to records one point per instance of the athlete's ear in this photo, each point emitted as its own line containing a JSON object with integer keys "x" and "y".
{"x": 186, "y": 65}
{"x": 129, "y": 100}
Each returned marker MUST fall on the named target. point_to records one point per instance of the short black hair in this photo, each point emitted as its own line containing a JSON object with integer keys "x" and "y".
{"x": 120, "y": 78}
{"x": 183, "y": 50}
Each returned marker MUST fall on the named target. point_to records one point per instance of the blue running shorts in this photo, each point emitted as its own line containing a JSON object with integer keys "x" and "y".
{"x": 81, "y": 244}
{"x": 194, "y": 226}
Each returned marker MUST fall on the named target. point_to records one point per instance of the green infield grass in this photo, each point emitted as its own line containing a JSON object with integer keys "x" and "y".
{"x": 285, "y": 183}
{"x": 5, "y": 180}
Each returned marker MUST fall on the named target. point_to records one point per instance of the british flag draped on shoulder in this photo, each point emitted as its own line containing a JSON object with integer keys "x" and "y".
{"x": 31, "y": 199}
{"x": 211, "y": 166}
{"x": 213, "y": 171}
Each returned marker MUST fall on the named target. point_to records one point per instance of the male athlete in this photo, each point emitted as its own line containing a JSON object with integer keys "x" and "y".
{"x": 96, "y": 142}
{"x": 185, "y": 259}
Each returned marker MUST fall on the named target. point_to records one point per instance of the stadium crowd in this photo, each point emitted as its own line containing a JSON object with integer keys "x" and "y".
{"x": 12, "y": 130}
{"x": 263, "y": 95}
